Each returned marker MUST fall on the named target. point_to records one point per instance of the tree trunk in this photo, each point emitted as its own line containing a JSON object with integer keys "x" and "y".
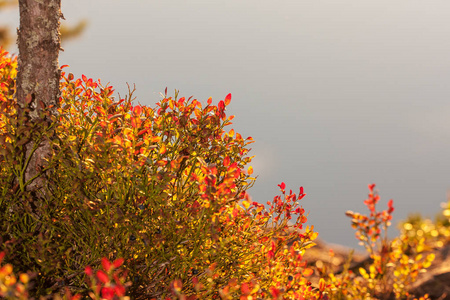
{"x": 38, "y": 76}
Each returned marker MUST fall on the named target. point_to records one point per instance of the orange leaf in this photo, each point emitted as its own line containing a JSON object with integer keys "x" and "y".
{"x": 177, "y": 285}
{"x": 322, "y": 285}
{"x": 162, "y": 150}
{"x": 250, "y": 170}
{"x": 142, "y": 131}
{"x": 227, "y": 99}
{"x": 308, "y": 272}
{"x": 244, "y": 289}
{"x": 113, "y": 117}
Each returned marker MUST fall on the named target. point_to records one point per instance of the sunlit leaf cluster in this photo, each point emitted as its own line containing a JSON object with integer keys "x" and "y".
{"x": 163, "y": 188}
{"x": 394, "y": 264}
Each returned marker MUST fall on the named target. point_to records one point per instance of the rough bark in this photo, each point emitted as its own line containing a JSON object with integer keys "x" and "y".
{"x": 38, "y": 73}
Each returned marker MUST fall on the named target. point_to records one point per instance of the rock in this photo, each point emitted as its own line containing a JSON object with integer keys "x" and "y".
{"x": 436, "y": 281}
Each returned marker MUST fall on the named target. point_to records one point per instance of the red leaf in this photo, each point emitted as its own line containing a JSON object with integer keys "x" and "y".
{"x": 227, "y": 99}
{"x": 84, "y": 78}
{"x": 102, "y": 276}
{"x": 226, "y": 161}
{"x": 120, "y": 290}
{"x": 118, "y": 262}
{"x": 137, "y": 110}
{"x": 275, "y": 292}
{"x": 282, "y": 186}
{"x": 221, "y": 105}
{"x": 299, "y": 210}
{"x": 108, "y": 293}
{"x": 209, "y": 101}
{"x": 88, "y": 271}
{"x": 391, "y": 206}
{"x": 244, "y": 289}
{"x": 63, "y": 66}
{"x": 106, "y": 264}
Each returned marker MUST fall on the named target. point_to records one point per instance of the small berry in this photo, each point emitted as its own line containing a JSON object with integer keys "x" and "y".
{"x": 194, "y": 271}
{"x": 132, "y": 238}
{"x": 290, "y": 278}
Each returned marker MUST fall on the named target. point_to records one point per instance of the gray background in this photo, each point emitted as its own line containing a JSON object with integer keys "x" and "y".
{"x": 337, "y": 94}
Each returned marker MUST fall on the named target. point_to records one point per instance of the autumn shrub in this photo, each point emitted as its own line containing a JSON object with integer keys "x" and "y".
{"x": 435, "y": 233}
{"x": 11, "y": 285}
{"x": 394, "y": 264}
{"x": 163, "y": 188}
{"x": 107, "y": 283}
{"x": 274, "y": 267}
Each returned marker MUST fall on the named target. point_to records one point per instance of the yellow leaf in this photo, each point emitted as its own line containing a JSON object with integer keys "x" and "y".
{"x": 246, "y": 204}
{"x": 162, "y": 150}
{"x": 250, "y": 170}
{"x": 363, "y": 273}
{"x": 309, "y": 245}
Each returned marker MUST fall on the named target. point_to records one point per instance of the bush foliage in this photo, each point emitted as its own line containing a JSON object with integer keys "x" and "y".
{"x": 152, "y": 203}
